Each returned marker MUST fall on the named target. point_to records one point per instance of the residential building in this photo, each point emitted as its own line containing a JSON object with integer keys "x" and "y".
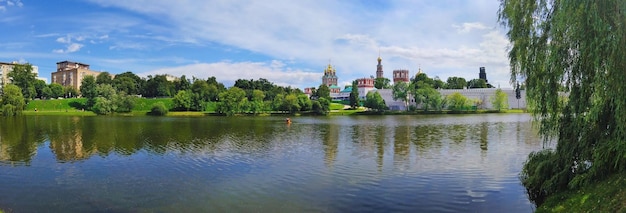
{"x": 71, "y": 73}
{"x": 6, "y": 68}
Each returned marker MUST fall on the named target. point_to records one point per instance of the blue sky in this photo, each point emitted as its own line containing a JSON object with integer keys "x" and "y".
{"x": 287, "y": 42}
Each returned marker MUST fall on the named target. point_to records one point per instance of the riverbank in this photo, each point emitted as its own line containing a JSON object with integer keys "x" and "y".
{"x": 73, "y": 107}
{"x": 605, "y": 196}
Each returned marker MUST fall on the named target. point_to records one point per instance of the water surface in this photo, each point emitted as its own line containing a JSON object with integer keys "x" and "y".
{"x": 439, "y": 163}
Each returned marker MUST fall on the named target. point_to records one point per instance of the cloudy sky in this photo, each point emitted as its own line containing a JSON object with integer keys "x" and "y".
{"x": 287, "y": 42}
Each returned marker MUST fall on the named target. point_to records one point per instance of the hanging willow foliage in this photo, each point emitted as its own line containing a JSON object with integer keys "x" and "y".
{"x": 572, "y": 56}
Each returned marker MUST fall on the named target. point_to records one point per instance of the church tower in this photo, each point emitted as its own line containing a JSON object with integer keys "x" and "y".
{"x": 329, "y": 78}
{"x": 379, "y": 68}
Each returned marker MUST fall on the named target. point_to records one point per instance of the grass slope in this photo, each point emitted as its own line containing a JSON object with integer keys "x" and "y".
{"x": 605, "y": 196}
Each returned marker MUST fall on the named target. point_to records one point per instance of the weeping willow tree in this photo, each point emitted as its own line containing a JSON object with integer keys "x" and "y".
{"x": 572, "y": 55}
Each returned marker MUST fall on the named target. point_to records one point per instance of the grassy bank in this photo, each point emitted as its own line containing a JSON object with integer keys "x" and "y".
{"x": 605, "y": 196}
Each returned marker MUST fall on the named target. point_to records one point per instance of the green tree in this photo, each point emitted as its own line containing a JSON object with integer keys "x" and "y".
{"x": 12, "y": 100}
{"x": 182, "y": 100}
{"x": 290, "y": 103}
{"x": 89, "y": 91}
{"x": 158, "y": 86}
{"x": 257, "y": 104}
{"x": 457, "y": 102}
{"x": 123, "y": 102}
{"x": 500, "y": 100}
{"x": 305, "y": 102}
{"x": 382, "y": 83}
{"x": 374, "y": 101}
{"x": 427, "y": 96}
{"x": 576, "y": 47}
{"x": 70, "y": 92}
{"x": 456, "y": 83}
{"x": 104, "y": 78}
{"x": 23, "y": 77}
{"x": 103, "y": 106}
{"x": 477, "y": 83}
{"x": 401, "y": 91}
{"x": 232, "y": 101}
{"x": 321, "y": 106}
{"x": 323, "y": 92}
{"x": 39, "y": 85}
{"x": 56, "y": 90}
{"x": 158, "y": 109}
{"x": 354, "y": 95}
{"x": 129, "y": 83}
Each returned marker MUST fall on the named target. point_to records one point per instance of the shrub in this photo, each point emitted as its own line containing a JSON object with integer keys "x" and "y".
{"x": 8, "y": 110}
{"x": 158, "y": 109}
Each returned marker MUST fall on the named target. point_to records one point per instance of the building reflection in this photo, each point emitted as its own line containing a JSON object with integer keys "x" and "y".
{"x": 18, "y": 140}
{"x": 330, "y": 140}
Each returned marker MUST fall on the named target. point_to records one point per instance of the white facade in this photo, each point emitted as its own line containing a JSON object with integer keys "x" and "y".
{"x": 5, "y": 68}
{"x": 484, "y": 95}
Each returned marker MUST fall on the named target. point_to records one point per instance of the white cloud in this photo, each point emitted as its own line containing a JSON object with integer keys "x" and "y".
{"x": 408, "y": 34}
{"x": 468, "y": 27}
{"x": 228, "y": 73}
{"x": 72, "y": 47}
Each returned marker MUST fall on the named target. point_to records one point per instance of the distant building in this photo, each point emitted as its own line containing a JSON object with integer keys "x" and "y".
{"x": 379, "y": 68}
{"x": 6, "y": 68}
{"x": 400, "y": 76}
{"x": 482, "y": 74}
{"x": 72, "y": 73}
{"x": 330, "y": 79}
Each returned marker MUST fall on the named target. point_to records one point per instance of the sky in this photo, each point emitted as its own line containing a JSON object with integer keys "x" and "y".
{"x": 286, "y": 42}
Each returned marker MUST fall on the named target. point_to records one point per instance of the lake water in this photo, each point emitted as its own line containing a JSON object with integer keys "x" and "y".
{"x": 417, "y": 163}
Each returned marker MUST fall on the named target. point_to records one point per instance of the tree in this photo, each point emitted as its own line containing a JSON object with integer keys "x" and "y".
{"x": 158, "y": 86}
{"x": 577, "y": 46}
{"x": 23, "y": 77}
{"x": 456, "y": 83}
{"x": 354, "y": 95}
{"x": 104, "y": 78}
{"x": 382, "y": 83}
{"x": 88, "y": 90}
{"x": 321, "y": 106}
{"x": 56, "y": 90}
{"x": 232, "y": 101}
{"x": 70, "y": 92}
{"x": 305, "y": 102}
{"x": 257, "y": 104}
{"x": 457, "y": 102}
{"x": 500, "y": 100}
{"x": 182, "y": 83}
{"x": 401, "y": 92}
{"x": 12, "y": 101}
{"x": 39, "y": 85}
{"x": 290, "y": 103}
{"x": 129, "y": 83}
{"x": 323, "y": 92}
{"x": 477, "y": 83}
{"x": 427, "y": 96}
{"x": 182, "y": 100}
{"x": 375, "y": 102}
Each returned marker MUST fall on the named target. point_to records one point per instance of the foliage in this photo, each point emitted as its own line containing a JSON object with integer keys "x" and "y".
{"x": 290, "y": 103}
{"x": 382, "y": 83}
{"x": 39, "y": 86}
{"x": 159, "y": 109}
{"x": 104, "y": 78}
{"x": 576, "y": 47}
{"x": 12, "y": 100}
{"x": 477, "y": 83}
{"x": 89, "y": 91}
{"x": 428, "y": 97}
{"x": 456, "y": 83}
{"x": 500, "y": 100}
{"x": 124, "y": 103}
{"x": 401, "y": 91}
{"x": 22, "y": 76}
{"x": 56, "y": 90}
{"x": 457, "y": 102}
{"x": 257, "y": 105}
{"x": 158, "y": 86}
{"x": 321, "y": 106}
{"x": 182, "y": 100}
{"x": 128, "y": 83}
{"x": 375, "y": 102}
{"x": 232, "y": 101}
{"x": 103, "y": 106}
{"x": 9, "y": 110}
{"x": 354, "y": 95}
{"x": 305, "y": 103}
{"x": 323, "y": 92}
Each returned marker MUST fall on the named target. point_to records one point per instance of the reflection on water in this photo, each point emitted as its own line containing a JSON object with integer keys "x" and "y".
{"x": 434, "y": 163}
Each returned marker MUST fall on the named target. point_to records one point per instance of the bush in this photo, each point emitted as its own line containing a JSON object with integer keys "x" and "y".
{"x": 8, "y": 110}
{"x": 158, "y": 109}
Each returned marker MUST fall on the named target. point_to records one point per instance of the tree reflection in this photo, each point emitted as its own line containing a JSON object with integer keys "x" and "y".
{"x": 18, "y": 140}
